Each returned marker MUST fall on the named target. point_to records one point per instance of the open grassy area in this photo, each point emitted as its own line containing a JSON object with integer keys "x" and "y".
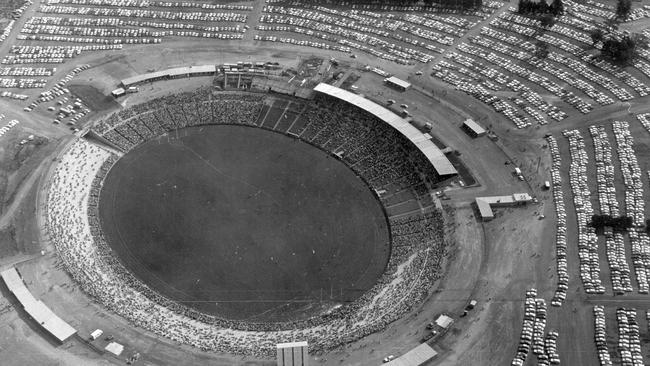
{"x": 244, "y": 223}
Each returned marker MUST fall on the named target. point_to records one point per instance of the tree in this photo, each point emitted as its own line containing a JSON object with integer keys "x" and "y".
{"x": 540, "y": 7}
{"x": 623, "y": 9}
{"x": 597, "y": 35}
{"x": 541, "y": 49}
{"x": 557, "y": 7}
{"x": 621, "y": 223}
{"x": 547, "y": 20}
{"x": 623, "y": 50}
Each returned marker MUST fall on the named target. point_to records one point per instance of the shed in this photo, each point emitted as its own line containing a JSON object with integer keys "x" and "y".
{"x": 118, "y": 92}
{"x": 415, "y": 357}
{"x": 472, "y": 128}
{"x": 397, "y": 83}
{"x": 444, "y": 321}
{"x": 115, "y": 348}
{"x": 96, "y": 334}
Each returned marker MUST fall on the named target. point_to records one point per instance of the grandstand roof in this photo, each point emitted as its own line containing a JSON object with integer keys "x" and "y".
{"x": 201, "y": 69}
{"x": 415, "y": 357}
{"x": 439, "y": 161}
{"x": 35, "y": 308}
{"x": 292, "y": 344}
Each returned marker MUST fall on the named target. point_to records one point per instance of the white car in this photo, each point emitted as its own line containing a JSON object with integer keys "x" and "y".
{"x": 389, "y": 358}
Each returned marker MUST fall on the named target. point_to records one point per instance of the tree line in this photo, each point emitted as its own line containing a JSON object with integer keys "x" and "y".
{"x": 621, "y": 223}
{"x": 451, "y": 4}
{"x": 620, "y": 49}
{"x": 529, "y": 7}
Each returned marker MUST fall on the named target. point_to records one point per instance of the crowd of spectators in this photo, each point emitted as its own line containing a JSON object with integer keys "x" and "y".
{"x": 75, "y": 229}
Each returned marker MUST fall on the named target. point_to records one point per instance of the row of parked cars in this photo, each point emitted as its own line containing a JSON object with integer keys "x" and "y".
{"x": 324, "y": 25}
{"x": 121, "y": 22}
{"x": 58, "y": 89}
{"x": 478, "y": 91}
{"x": 12, "y": 95}
{"x": 195, "y": 16}
{"x": 531, "y": 96}
{"x": 105, "y": 41}
{"x": 532, "y": 334}
{"x": 50, "y": 54}
{"x": 560, "y": 211}
{"x": 629, "y": 340}
{"x": 587, "y": 240}
{"x": 27, "y": 71}
{"x": 484, "y": 11}
{"x": 634, "y": 203}
{"x": 89, "y": 31}
{"x": 538, "y": 330}
{"x": 527, "y": 329}
{"x": 388, "y": 24}
{"x": 619, "y": 73}
{"x": 525, "y": 51}
{"x": 148, "y": 3}
{"x": 550, "y": 346}
{"x": 7, "y": 30}
{"x": 644, "y": 118}
{"x": 129, "y": 36}
{"x": 615, "y": 249}
{"x": 600, "y": 336}
{"x": 22, "y": 83}
{"x": 585, "y": 61}
{"x": 291, "y": 40}
{"x": 517, "y": 69}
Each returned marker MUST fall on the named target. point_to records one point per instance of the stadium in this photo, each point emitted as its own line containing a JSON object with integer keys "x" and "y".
{"x": 343, "y": 183}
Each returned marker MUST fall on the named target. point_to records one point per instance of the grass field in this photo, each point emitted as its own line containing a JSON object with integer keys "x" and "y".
{"x": 244, "y": 223}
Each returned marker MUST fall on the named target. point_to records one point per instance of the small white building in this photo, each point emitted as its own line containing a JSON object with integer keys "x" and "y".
{"x": 96, "y": 334}
{"x": 292, "y": 354}
{"x": 473, "y": 128}
{"x": 397, "y": 83}
{"x": 444, "y": 321}
{"x": 118, "y": 92}
{"x": 485, "y": 204}
{"x": 115, "y": 348}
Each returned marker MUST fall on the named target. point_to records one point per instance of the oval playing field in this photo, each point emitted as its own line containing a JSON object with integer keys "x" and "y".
{"x": 244, "y": 223}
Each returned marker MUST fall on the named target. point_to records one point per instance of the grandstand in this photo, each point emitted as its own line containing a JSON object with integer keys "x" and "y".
{"x": 50, "y": 322}
{"x": 174, "y": 73}
{"x": 440, "y": 163}
{"x": 379, "y": 154}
